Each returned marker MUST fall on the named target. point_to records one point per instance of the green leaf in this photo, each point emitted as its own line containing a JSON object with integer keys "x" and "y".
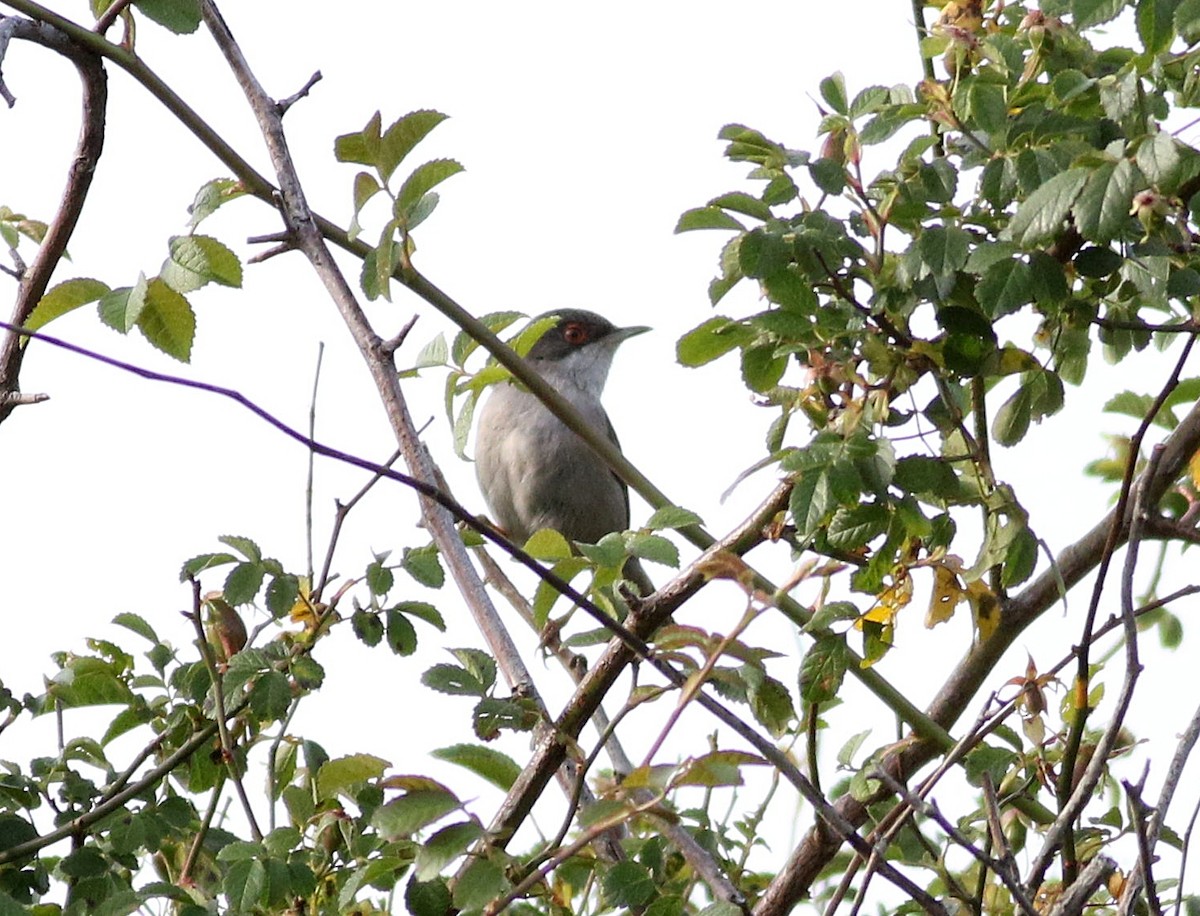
{"x": 1088, "y": 13}
{"x": 407, "y": 814}
{"x": 453, "y": 680}
{"x": 762, "y": 367}
{"x": 367, "y": 627}
{"x": 166, "y": 320}
{"x": 740, "y": 202}
{"x": 199, "y": 259}
{"x": 673, "y": 517}
{"x": 204, "y": 561}
{"x": 1041, "y": 216}
{"x": 497, "y": 768}
{"x": 271, "y": 697}
{"x": 812, "y": 503}
{"x": 833, "y": 91}
{"x": 852, "y": 528}
{"x": 920, "y": 475}
{"x": 629, "y": 884}
{"x": 823, "y": 669}
{"x": 424, "y": 565}
{"x": 713, "y": 339}
{"x": 444, "y": 847}
{"x": 943, "y": 249}
{"x": 1012, "y": 419}
{"x": 401, "y": 634}
{"x": 427, "y": 898}
{"x": 245, "y": 885}
{"x": 707, "y": 218}
{"x": 379, "y": 578}
{"x": 63, "y": 298}
{"x": 180, "y": 16}
{"x": 1187, "y": 21}
{"x": 338, "y": 776}
{"x": 211, "y": 196}
{"x": 361, "y": 147}
{"x": 138, "y": 625}
{"x": 548, "y": 545}
{"x": 243, "y": 545}
{"x": 87, "y": 681}
{"x": 656, "y": 548}
{"x": 422, "y": 611}
{"x": 1102, "y": 209}
{"x": 771, "y": 704}
{"x": 401, "y": 137}
{"x": 1005, "y": 287}
{"x": 1156, "y": 24}
{"x": 243, "y": 582}
{"x": 424, "y": 178}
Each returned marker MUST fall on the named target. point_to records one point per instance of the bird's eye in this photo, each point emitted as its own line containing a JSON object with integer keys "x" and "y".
{"x": 574, "y": 333}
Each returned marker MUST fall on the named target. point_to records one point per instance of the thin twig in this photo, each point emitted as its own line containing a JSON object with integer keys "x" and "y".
{"x": 284, "y": 104}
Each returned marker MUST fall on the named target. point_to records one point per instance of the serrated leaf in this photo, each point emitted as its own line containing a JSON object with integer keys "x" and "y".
{"x": 136, "y": 624}
{"x": 1102, "y": 209}
{"x": 63, "y": 298}
{"x": 1041, "y": 216}
{"x": 944, "y": 249}
{"x": 497, "y": 768}
{"x": 401, "y": 634}
{"x": 548, "y": 545}
{"x": 211, "y": 196}
{"x": 710, "y": 340}
{"x": 407, "y": 814}
{"x": 401, "y": 137}
{"x": 166, "y": 320}
{"x": 243, "y": 583}
{"x": 673, "y": 517}
{"x": 823, "y": 669}
{"x": 1088, "y": 13}
{"x": 337, "y": 776}
{"x": 195, "y": 260}
{"x": 852, "y": 528}
{"x": 423, "y": 179}
{"x": 444, "y": 847}
{"x": 656, "y": 548}
{"x": 707, "y": 218}
{"x": 1156, "y": 24}
{"x": 452, "y": 679}
{"x": 367, "y": 627}
{"x": 833, "y": 91}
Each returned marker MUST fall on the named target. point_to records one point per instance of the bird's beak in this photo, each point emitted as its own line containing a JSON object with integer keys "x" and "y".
{"x": 623, "y": 334}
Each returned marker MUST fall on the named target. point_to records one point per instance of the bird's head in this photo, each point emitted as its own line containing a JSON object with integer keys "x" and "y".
{"x": 579, "y": 348}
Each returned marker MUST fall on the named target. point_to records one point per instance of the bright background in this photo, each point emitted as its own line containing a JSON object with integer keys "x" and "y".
{"x": 585, "y": 131}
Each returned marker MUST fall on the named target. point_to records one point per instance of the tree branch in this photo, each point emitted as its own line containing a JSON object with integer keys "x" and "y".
{"x": 36, "y": 277}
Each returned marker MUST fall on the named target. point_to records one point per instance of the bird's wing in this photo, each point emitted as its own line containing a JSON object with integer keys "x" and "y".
{"x": 612, "y": 435}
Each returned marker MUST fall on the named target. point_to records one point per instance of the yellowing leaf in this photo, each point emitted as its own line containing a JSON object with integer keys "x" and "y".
{"x": 985, "y": 608}
{"x": 1194, "y": 469}
{"x": 947, "y": 593}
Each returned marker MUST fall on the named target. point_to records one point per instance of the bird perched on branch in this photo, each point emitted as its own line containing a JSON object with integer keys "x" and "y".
{"x": 535, "y": 472}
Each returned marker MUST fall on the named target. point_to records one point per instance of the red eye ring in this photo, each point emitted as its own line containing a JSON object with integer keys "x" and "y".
{"x": 574, "y": 333}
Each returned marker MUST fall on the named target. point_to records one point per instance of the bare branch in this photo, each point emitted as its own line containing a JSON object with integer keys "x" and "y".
{"x": 34, "y": 280}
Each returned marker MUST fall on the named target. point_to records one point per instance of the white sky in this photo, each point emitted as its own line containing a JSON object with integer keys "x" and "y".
{"x": 585, "y": 132}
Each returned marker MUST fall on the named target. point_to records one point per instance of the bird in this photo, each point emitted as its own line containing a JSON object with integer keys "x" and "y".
{"x": 533, "y": 470}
